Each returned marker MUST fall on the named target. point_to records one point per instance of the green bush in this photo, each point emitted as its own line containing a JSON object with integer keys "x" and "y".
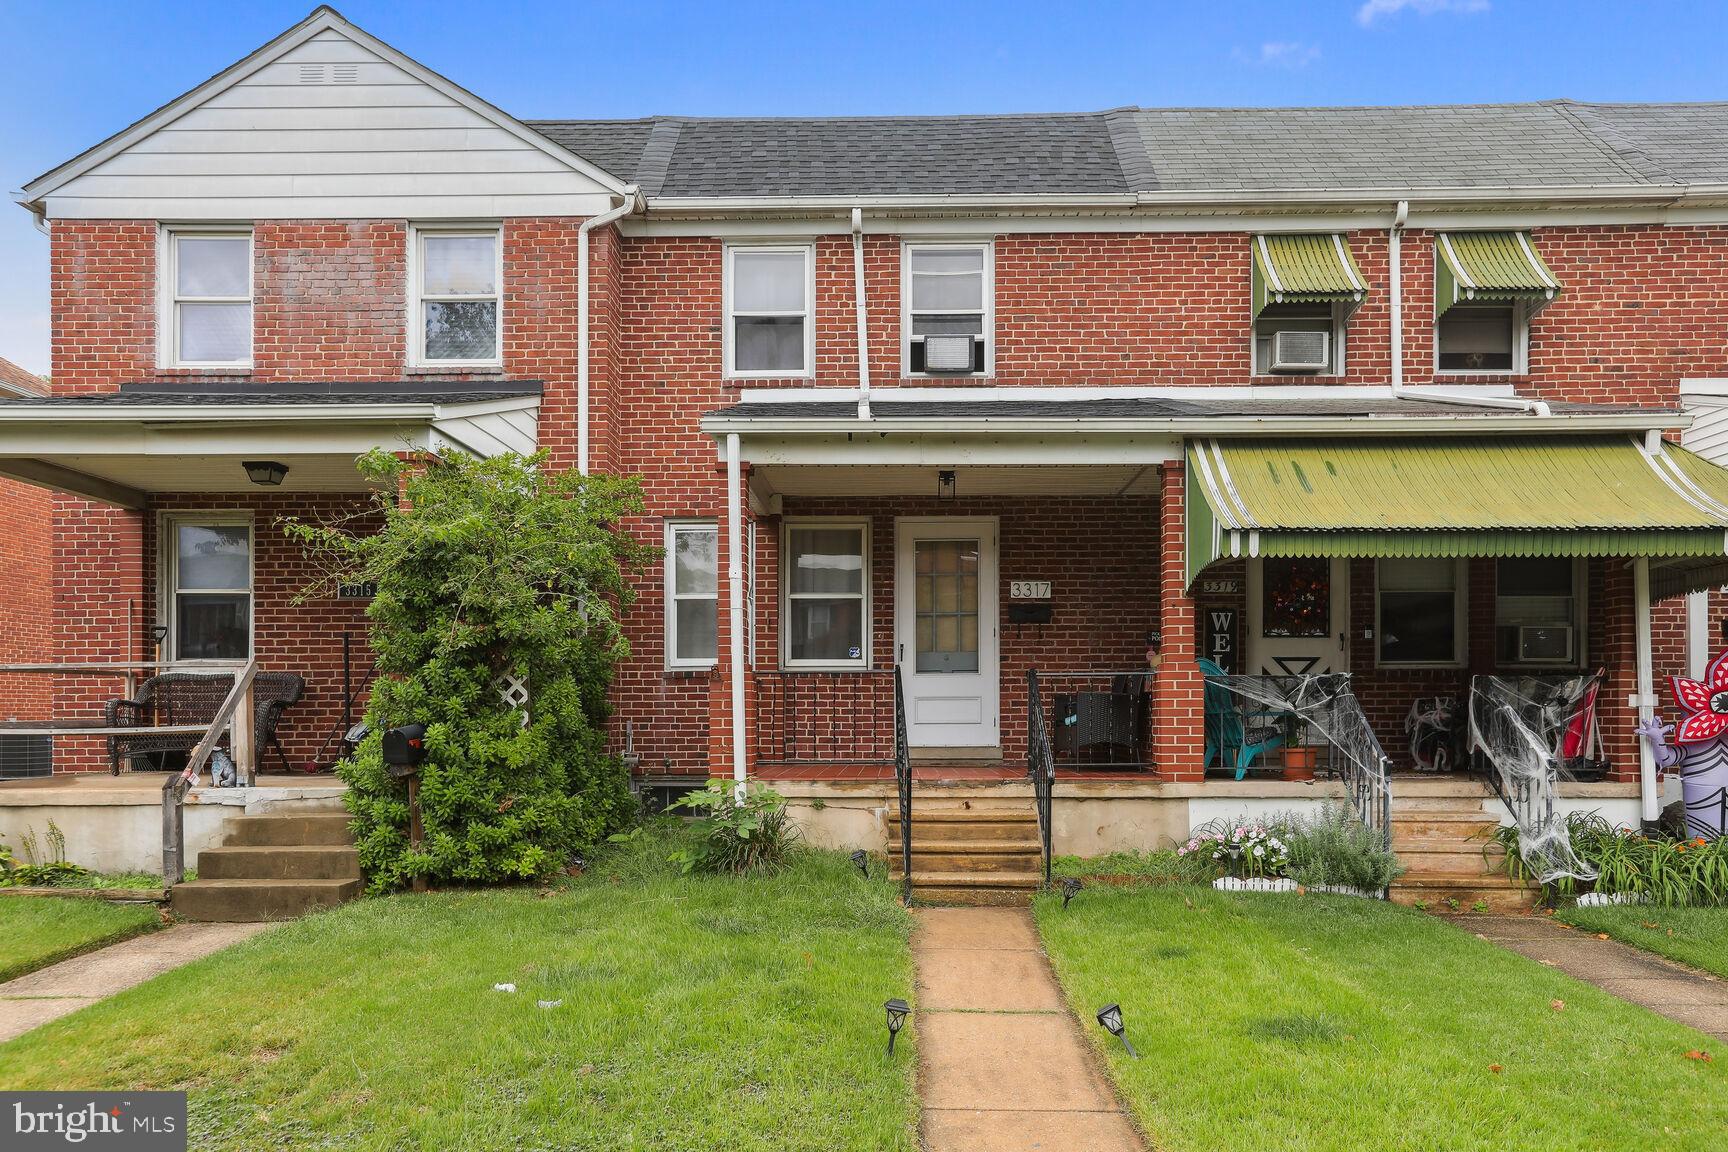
{"x": 486, "y": 569}
{"x": 1336, "y": 848}
{"x": 751, "y": 835}
{"x": 1662, "y": 869}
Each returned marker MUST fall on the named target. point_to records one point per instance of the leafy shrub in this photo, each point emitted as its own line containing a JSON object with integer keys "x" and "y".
{"x": 41, "y": 869}
{"x": 486, "y": 569}
{"x": 1338, "y": 849}
{"x": 1662, "y": 869}
{"x": 752, "y": 835}
{"x": 1246, "y": 849}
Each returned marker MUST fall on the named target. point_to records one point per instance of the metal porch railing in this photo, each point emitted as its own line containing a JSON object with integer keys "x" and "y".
{"x": 1040, "y": 767}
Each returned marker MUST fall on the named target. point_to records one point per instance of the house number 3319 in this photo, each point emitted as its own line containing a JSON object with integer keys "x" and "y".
{"x": 1028, "y": 589}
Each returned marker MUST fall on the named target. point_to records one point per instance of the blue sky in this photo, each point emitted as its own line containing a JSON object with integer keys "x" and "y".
{"x": 73, "y": 72}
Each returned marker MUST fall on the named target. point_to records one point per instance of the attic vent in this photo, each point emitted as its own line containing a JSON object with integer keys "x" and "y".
{"x": 345, "y": 73}
{"x": 312, "y": 74}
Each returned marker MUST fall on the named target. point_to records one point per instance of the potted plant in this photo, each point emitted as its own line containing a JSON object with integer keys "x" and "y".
{"x": 1299, "y": 758}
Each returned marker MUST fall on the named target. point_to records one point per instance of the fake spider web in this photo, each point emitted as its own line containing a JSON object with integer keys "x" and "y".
{"x": 1324, "y": 706}
{"x": 1520, "y": 725}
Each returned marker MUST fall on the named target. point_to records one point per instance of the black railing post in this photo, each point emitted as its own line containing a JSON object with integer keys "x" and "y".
{"x": 1040, "y": 766}
{"x": 903, "y": 785}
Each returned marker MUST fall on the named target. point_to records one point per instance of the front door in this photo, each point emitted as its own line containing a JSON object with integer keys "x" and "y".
{"x": 1298, "y": 616}
{"x": 945, "y": 631}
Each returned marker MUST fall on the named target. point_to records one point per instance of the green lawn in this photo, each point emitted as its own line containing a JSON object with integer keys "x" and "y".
{"x": 1308, "y": 1023}
{"x": 36, "y": 931}
{"x": 1695, "y": 936}
{"x": 697, "y": 1014}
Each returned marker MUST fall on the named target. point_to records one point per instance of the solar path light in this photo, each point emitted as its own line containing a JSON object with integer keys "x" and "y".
{"x": 1111, "y": 1017}
{"x": 897, "y": 1011}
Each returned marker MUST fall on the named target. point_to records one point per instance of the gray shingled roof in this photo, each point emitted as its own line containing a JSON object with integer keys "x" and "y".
{"x": 1556, "y": 143}
{"x": 218, "y": 392}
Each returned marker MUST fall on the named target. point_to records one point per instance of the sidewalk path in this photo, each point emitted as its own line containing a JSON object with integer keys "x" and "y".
{"x": 1004, "y": 1067}
{"x": 50, "y": 993}
{"x": 1695, "y": 999}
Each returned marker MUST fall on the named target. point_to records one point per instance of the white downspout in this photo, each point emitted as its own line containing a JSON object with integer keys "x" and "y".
{"x": 1644, "y": 696}
{"x": 863, "y": 321}
{"x": 735, "y": 610}
{"x": 632, "y": 202}
{"x": 1396, "y": 255}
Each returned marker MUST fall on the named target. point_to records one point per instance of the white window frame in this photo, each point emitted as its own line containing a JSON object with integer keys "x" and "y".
{"x": 1341, "y": 312}
{"x": 727, "y": 337}
{"x": 417, "y": 235}
{"x": 989, "y": 326}
{"x": 673, "y": 596}
{"x": 866, "y": 621}
{"x": 1520, "y": 345}
{"x": 1580, "y": 622}
{"x": 168, "y": 311}
{"x": 1460, "y": 622}
{"x": 168, "y": 581}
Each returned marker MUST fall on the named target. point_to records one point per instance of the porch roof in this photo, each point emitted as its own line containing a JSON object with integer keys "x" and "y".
{"x": 1464, "y": 496}
{"x": 170, "y": 436}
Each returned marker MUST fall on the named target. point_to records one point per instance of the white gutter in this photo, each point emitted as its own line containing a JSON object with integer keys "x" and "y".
{"x": 863, "y": 321}
{"x": 1395, "y": 240}
{"x": 632, "y": 202}
{"x": 721, "y": 424}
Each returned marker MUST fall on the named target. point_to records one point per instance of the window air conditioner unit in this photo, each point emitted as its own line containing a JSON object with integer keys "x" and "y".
{"x": 1545, "y": 644}
{"x": 948, "y": 353}
{"x": 1296, "y": 351}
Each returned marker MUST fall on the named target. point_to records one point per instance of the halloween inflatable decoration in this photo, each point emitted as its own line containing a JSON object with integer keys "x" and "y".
{"x": 1699, "y": 752}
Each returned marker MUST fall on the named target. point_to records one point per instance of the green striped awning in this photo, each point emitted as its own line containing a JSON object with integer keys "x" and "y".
{"x": 1454, "y": 496}
{"x": 1302, "y": 269}
{"x": 1489, "y": 267}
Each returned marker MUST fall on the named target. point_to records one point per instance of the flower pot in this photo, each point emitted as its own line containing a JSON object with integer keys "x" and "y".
{"x": 1299, "y": 762}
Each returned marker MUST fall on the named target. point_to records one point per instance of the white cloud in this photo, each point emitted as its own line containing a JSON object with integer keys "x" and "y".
{"x": 1279, "y": 54}
{"x": 1373, "y": 10}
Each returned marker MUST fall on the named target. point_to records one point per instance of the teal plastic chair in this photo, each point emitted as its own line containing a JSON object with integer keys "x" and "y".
{"x": 1228, "y": 731}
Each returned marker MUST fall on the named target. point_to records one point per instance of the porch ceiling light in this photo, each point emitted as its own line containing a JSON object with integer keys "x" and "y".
{"x": 897, "y": 1010}
{"x": 1070, "y": 889}
{"x": 1111, "y": 1017}
{"x": 945, "y": 484}
{"x": 861, "y": 861}
{"x": 266, "y": 472}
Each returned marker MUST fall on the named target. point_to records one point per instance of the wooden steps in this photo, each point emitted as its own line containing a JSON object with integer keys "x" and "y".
{"x": 1441, "y": 827}
{"x": 969, "y": 852}
{"x": 273, "y": 867}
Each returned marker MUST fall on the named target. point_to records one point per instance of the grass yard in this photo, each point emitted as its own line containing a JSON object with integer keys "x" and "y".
{"x": 1695, "y": 936}
{"x": 36, "y": 931}
{"x": 1317, "y": 1022}
{"x": 700, "y": 1013}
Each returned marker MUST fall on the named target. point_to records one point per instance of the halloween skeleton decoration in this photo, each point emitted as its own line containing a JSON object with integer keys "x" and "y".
{"x": 1699, "y": 752}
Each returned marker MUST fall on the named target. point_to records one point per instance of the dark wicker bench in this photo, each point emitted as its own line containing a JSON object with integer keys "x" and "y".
{"x": 194, "y": 698}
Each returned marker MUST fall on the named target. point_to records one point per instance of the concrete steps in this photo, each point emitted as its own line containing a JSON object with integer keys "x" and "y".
{"x": 967, "y": 853}
{"x": 1440, "y": 828}
{"x": 273, "y": 867}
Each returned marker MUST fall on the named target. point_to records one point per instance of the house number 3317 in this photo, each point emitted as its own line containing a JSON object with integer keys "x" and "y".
{"x": 1028, "y": 589}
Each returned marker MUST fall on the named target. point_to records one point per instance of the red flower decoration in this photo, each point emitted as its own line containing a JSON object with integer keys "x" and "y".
{"x": 1706, "y": 701}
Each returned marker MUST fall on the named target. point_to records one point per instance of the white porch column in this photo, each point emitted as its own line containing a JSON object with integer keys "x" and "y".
{"x": 735, "y": 607}
{"x": 1644, "y": 699}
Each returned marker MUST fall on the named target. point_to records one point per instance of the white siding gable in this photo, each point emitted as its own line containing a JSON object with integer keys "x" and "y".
{"x": 332, "y": 127}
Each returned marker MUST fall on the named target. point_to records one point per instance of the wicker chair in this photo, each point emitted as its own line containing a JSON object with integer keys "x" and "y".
{"x": 194, "y": 698}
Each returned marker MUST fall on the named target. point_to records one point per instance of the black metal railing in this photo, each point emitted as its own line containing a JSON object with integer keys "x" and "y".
{"x": 823, "y": 718}
{"x": 903, "y": 786}
{"x": 1040, "y": 767}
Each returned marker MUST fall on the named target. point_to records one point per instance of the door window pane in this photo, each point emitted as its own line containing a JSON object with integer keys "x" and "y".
{"x": 946, "y": 606}
{"x": 1296, "y": 597}
{"x": 1418, "y": 611}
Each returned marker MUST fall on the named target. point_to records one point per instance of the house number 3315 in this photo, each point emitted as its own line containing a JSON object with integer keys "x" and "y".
{"x": 1028, "y": 589}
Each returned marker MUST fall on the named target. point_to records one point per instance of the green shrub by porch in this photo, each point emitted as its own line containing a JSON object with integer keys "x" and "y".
{"x": 488, "y": 569}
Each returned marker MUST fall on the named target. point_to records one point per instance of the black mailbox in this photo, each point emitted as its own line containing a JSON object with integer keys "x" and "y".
{"x": 404, "y": 749}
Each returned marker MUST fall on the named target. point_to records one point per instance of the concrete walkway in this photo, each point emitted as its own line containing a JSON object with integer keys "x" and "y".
{"x": 50, "y": 993}
{"x": 1004, "y": 1067}
{"x": 1695, "y": 999}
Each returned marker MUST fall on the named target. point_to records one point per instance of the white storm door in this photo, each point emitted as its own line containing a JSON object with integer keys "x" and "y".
{"x": 945, "y": 631}
{"x": 1298, "y": 616}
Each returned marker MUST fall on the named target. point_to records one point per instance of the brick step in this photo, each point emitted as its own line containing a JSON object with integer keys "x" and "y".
{"x": 279, "y": 862}
{"x": 323, "y": 829}
{"x": 246, "y": 901}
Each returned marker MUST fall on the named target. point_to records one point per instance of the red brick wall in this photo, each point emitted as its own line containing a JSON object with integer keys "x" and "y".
{"x": 26, "y": 610}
